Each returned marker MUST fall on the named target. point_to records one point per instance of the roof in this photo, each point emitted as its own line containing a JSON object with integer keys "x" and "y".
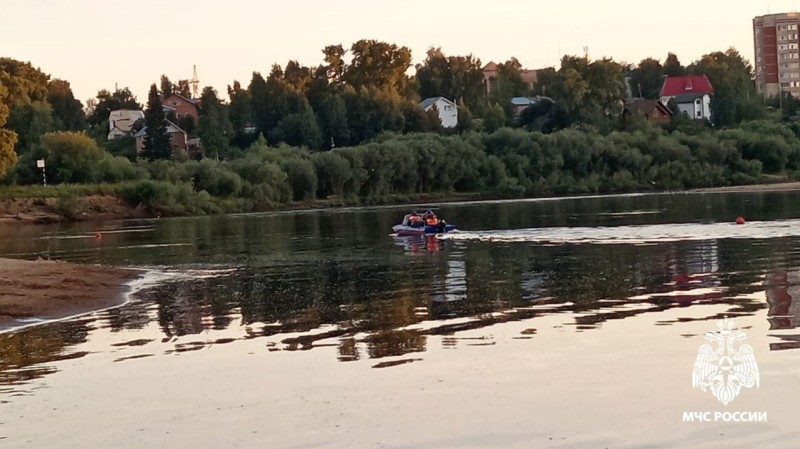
{"x": 645, "y": 107}
{"x": 188, "y": 100}
{"x": 123, "y": 119}
{"x": 428, "y": 102}
{"x": 490, "y": 67}
{"x": 528, "y": 101}
{"x": 523, "y": 101}
{"x": 171, "y": 129}
{"x": 676, "y": 85}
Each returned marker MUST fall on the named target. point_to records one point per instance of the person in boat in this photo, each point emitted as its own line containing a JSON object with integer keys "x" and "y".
{"x": 414, "y": 219}
{"x": 430, "y": 218}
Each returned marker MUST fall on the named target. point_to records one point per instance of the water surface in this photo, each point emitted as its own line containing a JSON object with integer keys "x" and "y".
{"x": 319, "y": 329}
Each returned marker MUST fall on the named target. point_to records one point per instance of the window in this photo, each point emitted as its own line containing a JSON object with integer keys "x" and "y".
{"x": 784, "y": 84}
{"x": 792, "y": 46}
{"x": 699, "y": 114}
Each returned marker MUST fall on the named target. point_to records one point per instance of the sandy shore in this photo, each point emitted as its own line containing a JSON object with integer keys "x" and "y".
{"x": 776, "y": 187}
{"x": 50, "y": 290}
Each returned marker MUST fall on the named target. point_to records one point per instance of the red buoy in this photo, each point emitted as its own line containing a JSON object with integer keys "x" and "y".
{"x": 98, "y": 236}
{"x": 739, "y": 220}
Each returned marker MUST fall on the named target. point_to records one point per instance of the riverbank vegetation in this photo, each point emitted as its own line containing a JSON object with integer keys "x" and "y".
{"x": 355, "y": 134}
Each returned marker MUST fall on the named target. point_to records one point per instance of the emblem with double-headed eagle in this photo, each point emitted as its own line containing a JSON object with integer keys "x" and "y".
{"x": 726, "y": 365}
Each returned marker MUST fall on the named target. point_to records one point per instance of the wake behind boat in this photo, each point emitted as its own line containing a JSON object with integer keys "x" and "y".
{"x": 429, "y": 223}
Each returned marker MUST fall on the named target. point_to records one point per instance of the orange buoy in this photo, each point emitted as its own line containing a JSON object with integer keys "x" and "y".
{"x": 739, "y": 220}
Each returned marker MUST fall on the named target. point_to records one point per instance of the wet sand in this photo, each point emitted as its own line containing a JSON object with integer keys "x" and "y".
{"x": 49, "y": 290}
{"x": 775, "y": 187}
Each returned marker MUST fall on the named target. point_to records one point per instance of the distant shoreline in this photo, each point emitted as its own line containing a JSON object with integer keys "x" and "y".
{"x": 25, "y": 211}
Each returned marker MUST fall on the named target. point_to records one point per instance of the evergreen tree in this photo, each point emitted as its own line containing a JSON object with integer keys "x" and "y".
{"x": 156, "y": 140}
{"x": 166, "y": 86}
{"x": 214, "y": 128}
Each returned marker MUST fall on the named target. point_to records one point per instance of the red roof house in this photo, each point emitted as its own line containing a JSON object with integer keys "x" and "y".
{"x": 678, "y": 85}
{"x": 692, "y": 94}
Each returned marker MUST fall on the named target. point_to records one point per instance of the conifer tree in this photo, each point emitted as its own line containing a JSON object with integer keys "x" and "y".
{"x": 156, "y": 140}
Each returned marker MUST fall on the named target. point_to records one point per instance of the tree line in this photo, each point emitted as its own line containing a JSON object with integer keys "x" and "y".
{"x": 352, "y": 127}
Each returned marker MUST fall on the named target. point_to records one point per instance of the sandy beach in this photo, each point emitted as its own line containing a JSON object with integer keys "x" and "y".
{"x": 775, "y": 187}
{"x": 50, "y": 289}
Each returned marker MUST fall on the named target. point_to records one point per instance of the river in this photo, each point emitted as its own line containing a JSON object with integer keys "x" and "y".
{"x": 572, "y": 322}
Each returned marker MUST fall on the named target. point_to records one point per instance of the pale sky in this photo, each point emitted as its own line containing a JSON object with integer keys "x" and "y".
{"x": 94, "y": 44}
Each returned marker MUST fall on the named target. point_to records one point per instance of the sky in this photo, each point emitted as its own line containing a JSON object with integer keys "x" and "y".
{"x": 97, "y": 44}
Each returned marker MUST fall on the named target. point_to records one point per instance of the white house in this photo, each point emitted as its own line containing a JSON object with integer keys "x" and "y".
{"x": 691, "y": 93}
{"x": 120, "y": 122}
{"x": 448, "y": 111}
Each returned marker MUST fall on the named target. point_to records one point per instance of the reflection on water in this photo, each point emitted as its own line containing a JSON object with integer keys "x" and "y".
{"x": 336, "y": 279}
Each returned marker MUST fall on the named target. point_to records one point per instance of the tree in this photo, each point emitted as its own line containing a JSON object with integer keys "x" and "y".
{"x": 107, "y": 102}
{"x": 454, "y": 77}
{"x": 335, "y": 65}
{"x": 156, "y": 139}
{"x": 299, "y": 129}
{"x": 646, "y": 79}
{"x": 8, "y": 157}
{"x": 30, "y": 121}
{"x": 166, "y": 86}
{"x": 7, "y": 138}
{"x": 673, "y": 67}
{"x": 67, "y": 111}
{"x": 240, "y": 114}
{"x": 182, "y": 88}
{"x": 23, "y": 83}
{"x": 298, "y": 77}
{"x": 378, "y": 65}
{"x": 214, "y": 128}
{"x": 71, "y": 157}
{"x": 731, "y": 76}
{"x": 494, "y": 118}
{"x": 508, "y": 83}
{"x": 585, "y": 91}
{"x": 332, "y": 116}
{"x": 273, "y": 100}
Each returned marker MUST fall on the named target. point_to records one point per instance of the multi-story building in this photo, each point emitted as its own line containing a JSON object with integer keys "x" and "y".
{"x": 777, "y": 56}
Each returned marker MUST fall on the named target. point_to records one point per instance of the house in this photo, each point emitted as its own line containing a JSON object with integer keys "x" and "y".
{"x": 448, "y": 111}
{"x": 519, "y": 104}
{"x": 121, "y": 121}
{"x": 177, "y": 137}
{"x": 181, "y": 106}
{"x": 691, "y": 93}
{"x": 652, "y": 110}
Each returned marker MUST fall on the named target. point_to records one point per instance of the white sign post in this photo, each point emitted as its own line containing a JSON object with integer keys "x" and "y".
{"x": 40, "y": 164}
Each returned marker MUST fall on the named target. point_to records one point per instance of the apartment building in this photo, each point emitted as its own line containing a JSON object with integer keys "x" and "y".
{"x": 777, "y": 56}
